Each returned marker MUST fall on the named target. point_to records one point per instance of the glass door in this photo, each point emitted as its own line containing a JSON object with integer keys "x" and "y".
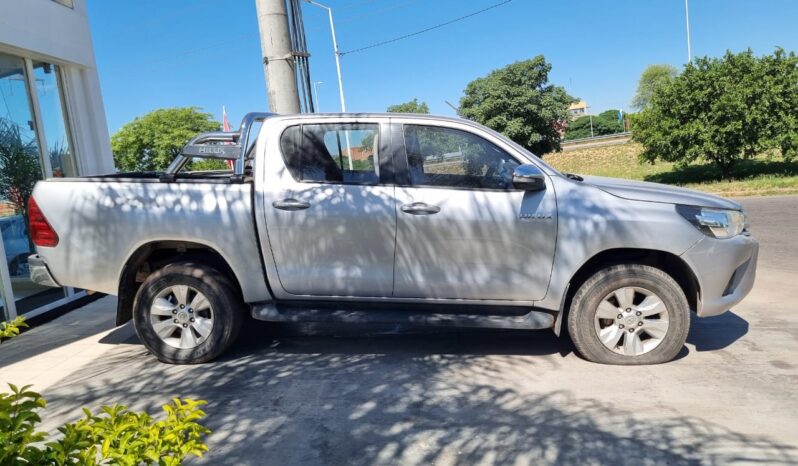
{"x": 21, "y": 166}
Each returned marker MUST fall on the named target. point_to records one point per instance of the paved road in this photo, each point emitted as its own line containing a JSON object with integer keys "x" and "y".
{"x": 308, "y": 396}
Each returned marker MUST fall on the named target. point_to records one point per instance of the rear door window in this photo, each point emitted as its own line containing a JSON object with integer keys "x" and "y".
{"x": 332, "y": 152}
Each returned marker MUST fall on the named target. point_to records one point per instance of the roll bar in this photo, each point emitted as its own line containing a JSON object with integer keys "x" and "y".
{"x": 224, "y": 145}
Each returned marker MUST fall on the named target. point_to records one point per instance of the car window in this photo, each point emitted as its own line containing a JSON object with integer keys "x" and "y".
{"x": 332, "y": 153}
{"x": 453, "y": 158}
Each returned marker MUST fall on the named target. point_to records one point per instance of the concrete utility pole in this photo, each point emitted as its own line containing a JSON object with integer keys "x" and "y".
{"x": 278, "y": 59}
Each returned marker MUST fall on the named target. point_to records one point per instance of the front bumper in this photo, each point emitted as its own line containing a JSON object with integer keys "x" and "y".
{"x": 39, "y": 273}
{"x": 725, "y": 270}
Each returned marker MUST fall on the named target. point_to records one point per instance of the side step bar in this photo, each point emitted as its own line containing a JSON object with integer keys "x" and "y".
{"x": 276, "y": 313}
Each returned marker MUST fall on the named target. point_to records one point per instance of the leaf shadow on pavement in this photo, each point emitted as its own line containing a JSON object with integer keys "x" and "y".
{"x": 300, "y": 396}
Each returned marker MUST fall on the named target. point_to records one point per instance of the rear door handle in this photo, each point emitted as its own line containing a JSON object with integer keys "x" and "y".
{"x": 290, "y": 204}
{"x": 420, "y": 208}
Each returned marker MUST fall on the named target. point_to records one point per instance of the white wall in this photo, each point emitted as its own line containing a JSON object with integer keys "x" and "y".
{"x": 46, "y": 30}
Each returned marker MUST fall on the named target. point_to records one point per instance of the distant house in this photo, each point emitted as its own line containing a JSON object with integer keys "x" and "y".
{"x": 577, "y": 109}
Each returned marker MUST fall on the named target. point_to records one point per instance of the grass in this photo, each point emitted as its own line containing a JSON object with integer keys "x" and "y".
{"x": 762, "y": 175}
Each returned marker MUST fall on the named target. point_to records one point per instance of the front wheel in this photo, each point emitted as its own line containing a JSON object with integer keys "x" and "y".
{"x": 187, "y": 313}
{"x": 629, "y": 314}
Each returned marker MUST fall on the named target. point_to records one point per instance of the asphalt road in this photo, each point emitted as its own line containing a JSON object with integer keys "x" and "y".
{"x": 403, "y": 396}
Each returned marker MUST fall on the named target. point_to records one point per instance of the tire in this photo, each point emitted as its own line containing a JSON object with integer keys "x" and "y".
{"x": 653, "y": 338}
{"x": 214, "y": 326}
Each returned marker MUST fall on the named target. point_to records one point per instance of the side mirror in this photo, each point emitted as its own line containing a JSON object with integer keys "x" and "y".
{"x": 529, "y": 178}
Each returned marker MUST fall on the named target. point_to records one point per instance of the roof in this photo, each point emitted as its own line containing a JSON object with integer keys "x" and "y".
{"x": 578, "y": 105}
{"x": 372, "y": 115}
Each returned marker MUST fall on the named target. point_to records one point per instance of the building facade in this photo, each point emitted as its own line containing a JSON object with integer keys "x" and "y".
{"x": 577, "y": 109}
{"x": 52, "y": 124}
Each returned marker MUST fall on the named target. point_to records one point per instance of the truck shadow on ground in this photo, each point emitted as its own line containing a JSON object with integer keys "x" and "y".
{"x": 306, "y": 396}
{"x": 718, "y": 332}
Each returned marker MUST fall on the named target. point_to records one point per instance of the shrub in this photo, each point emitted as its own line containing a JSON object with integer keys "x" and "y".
{"x": 11, "y": 329}
{"x": 116, "y": 436}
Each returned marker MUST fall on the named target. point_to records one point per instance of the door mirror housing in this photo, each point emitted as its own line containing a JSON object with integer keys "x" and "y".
{"x": 529, "y": 178}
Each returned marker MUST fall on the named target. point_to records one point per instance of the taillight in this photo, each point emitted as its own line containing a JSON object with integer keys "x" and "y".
{"x": 41, "y": 232}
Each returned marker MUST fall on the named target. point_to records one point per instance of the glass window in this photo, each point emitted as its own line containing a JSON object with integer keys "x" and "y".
{"x": 20, "y": 168}
{"x": 449, "y": 157}
{"x": 48, "y": 91}
{"x": 332, "y": 153}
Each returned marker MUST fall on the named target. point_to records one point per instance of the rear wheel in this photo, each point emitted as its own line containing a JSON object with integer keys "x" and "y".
{"x": 629, "y": 314}
{"x": 187, "y": 313}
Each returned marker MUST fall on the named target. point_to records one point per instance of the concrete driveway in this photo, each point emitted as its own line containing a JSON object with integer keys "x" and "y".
{"x": 403, "y": 396}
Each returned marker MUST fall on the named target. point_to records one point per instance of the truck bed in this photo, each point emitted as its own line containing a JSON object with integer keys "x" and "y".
{"x": 102, "y": 220}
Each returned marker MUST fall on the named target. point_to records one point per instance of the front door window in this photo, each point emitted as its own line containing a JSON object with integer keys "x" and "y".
{"x": 448, "y": 157}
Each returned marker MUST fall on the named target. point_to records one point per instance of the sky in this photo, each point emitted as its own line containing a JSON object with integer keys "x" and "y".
{"x": 206, "y": 53}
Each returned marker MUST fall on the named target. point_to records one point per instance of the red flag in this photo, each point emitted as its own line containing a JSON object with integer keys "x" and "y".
{"x": 226, "y": 127}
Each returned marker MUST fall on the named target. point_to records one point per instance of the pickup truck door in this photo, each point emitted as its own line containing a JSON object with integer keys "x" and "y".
{"x": 330, "y": 208}
{"x": 463, "y": 231}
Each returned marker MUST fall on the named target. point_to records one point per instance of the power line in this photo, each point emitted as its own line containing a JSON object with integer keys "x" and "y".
{"x": 437, "y": 26}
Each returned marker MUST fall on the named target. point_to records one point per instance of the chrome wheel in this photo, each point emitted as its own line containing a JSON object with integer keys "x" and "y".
{"x": 181, "y": 316}
{"x": 631, "y": 321}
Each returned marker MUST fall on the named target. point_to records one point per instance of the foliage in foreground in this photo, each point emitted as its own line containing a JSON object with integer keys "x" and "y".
{"x": 413, "y": 106}
{"x": 723, "y": 110}
{"x": 117, "y": 436}
{"x": 11, "y": 329}
{"x": 151, "y": 142}
{"x": 519, "y": 102}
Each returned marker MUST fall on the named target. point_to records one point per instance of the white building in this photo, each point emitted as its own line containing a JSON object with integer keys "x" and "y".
{"x": 52, "y": 123}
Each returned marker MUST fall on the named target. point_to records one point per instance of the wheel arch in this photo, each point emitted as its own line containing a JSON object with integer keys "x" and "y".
{"x": 668, "y": 262}
{"x": 153, "y": 255}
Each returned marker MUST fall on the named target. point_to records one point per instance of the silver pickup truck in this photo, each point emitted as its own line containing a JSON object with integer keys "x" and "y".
{"x": 391, "y": 218}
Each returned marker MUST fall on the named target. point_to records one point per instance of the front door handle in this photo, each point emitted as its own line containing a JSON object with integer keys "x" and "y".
{"x": 420, "y": 208}
{"x": 290, "y": 204}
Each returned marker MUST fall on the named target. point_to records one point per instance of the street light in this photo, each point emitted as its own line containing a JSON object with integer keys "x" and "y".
{"x": 316, "y": 94}
{"x": 340, "y": 80}
{"x": 687, "y": 22}
{"x": 337, "y": 52}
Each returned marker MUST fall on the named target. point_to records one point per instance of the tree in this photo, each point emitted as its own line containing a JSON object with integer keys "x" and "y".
{"x": 413, "y": 106}
{"x": 653, "y": 77}
{"x": 603, "y": 123}
{"x": 519, "y": 102}
{"x": 723, "y": 110}
{"x": 151, "y": 142}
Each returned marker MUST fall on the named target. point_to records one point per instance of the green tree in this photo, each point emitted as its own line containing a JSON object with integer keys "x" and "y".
{"x": 151, "y": 142}
{"x": 413, "y": 106}
{"x": 723, "y": 110}
{"x": 603, "y": 123}
{"x": 519, "y": 102}
{"x": 653, "y": 77}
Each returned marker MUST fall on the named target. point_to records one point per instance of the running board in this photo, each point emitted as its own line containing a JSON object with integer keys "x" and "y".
{"x": 276, "y": 313}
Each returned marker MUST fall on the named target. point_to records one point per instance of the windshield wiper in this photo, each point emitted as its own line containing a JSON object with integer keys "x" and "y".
{"x": 571, "y": 176}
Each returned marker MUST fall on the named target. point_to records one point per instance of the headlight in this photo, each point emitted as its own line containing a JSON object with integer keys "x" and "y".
{"x": 718, "y": 223}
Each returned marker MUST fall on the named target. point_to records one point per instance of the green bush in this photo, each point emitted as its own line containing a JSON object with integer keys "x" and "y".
{"x": 117, "y": 436}
{"x": 11, "y": 329}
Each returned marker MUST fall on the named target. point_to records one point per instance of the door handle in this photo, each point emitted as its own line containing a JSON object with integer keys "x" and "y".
{"x": 420, "y": 208}
{"x": 290, "y": 205}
